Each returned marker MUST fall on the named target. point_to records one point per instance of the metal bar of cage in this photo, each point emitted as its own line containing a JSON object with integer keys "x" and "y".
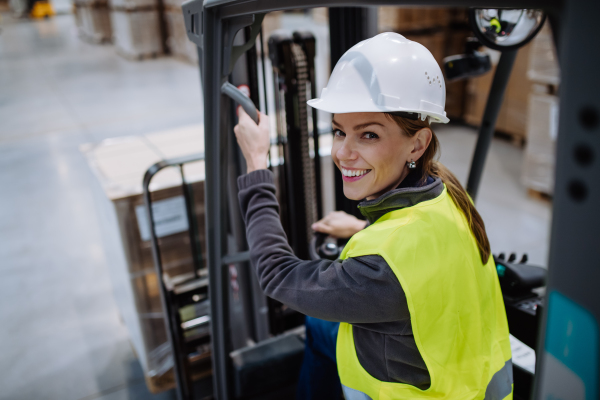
{"x": 488, "y": 122}
{"x": 172, "y": 320}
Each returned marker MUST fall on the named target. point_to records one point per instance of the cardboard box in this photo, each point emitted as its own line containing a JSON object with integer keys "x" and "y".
{"x": 132, "y": 5}
{"x": 177, "y": 41}
{"x": 136, "y": 34}
{"x": 119, "y": 166}
{"x": 93, "y": 22}
{"x": 542, "y": 130}
{"x": 270, "y": 24}
{"x": 405, "y": 19}
{"x": 320, "y": 15}
{"x": 512, "y": 118}
{"x": 543, "y": 64}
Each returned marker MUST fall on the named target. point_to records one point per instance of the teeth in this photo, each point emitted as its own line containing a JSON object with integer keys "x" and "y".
{"x": 354, "y": 172}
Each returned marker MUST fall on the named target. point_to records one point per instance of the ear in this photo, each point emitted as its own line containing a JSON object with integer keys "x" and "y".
{"x": 421, "y": 141}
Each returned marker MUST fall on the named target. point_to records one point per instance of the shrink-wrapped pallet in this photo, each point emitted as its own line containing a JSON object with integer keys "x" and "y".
{"x": 119, "y": 166}
{"x": 94, "y": 22}
{"x": 136, "y": 34}
{"x": 543, "y": 64}
{"x": 177, "y": 41}
{"x": 133, "y": 5}
{"x": 542, "y": 130}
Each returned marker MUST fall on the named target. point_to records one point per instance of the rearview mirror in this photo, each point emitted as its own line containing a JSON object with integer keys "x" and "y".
{"x": 505, "y": 29}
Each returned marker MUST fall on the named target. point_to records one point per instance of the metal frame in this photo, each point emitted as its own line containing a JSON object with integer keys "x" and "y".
{"x": 574, "y": 250}
{"x": 173, "y": 323}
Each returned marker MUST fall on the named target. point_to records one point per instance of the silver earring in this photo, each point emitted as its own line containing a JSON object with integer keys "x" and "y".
{"x": 411, "y": 164}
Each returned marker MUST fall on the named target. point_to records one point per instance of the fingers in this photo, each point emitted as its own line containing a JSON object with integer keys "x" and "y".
{"x": 321, "y": 227}
{"x": 245, "y": 118}
{"x": 263, "y": 120}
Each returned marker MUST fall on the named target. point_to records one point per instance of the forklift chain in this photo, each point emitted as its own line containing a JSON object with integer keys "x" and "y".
{"x": 302, "y": 82}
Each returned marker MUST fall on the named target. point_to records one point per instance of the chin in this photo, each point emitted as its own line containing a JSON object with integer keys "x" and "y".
{"x": 354, "y": 194}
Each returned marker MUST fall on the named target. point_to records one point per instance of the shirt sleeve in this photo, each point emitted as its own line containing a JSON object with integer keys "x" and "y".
{"x": 356, "y": 290}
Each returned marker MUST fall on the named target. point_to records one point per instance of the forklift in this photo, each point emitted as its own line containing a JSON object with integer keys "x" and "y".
{"x": 562, "y": 325}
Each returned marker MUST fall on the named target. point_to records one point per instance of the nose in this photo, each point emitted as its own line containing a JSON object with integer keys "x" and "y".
{"x": 347, "y": 150}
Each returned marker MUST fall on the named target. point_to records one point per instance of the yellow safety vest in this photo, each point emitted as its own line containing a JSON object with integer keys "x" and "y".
{"x": 457, "y": 312}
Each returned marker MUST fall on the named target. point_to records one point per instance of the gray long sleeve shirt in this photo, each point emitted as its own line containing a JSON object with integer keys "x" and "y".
{"x": 363, "y": 291}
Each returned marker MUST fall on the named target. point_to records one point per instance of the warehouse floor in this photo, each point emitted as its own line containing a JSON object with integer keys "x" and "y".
{"x": 62, "y": 337}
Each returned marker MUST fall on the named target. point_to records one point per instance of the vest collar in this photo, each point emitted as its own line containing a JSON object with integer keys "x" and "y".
{"x": 400, "y": 198}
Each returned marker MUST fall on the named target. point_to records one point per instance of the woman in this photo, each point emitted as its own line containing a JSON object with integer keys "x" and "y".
{"x": 416, "y": 291}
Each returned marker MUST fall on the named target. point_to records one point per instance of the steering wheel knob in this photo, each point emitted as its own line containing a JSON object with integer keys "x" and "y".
{"x": 329, "y": 250}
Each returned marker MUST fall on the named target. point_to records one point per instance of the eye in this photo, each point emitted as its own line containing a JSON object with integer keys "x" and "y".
{"x": 338, "y": 133}
{"x": 371, "y": 135}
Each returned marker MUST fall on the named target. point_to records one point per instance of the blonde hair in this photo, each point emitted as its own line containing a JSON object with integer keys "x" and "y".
{"x": 432, "y": 167}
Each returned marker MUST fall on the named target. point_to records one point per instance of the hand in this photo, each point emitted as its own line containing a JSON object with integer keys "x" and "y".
{"x": 253, "y": 139}
{"x": 339, "y": 224}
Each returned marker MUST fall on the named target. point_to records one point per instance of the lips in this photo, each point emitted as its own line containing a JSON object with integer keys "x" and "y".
{"x": 353, "y": 175}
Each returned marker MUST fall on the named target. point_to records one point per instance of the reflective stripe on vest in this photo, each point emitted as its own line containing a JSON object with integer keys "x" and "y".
{"x": 457, "y": 312}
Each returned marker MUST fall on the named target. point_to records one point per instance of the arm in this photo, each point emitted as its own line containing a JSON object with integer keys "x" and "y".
{"x": 356, "y": 290}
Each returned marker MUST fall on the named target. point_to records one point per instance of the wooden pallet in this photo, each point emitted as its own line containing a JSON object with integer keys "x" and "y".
{"x": 166, "y": 381}
{"x": 138, "y": 57}
{"x": 516, "y": 140}
{"x": 94, "y": 40}
{"x": 539, "y": 195}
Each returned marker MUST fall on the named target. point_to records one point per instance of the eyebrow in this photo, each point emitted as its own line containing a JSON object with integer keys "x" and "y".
{"x": 360, "y": 126}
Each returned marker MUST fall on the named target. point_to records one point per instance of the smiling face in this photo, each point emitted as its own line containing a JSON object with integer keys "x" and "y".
{"x": 371, "y": 151}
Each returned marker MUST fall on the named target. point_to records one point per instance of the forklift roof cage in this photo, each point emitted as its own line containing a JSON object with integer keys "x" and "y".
{"x": 569, "y": 335}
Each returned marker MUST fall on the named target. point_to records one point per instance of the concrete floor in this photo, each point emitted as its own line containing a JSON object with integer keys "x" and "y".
{"x": 62, "y": 337}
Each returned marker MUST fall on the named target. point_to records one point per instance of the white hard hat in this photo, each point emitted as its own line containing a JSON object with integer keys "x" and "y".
{"x": 387, "y": 73}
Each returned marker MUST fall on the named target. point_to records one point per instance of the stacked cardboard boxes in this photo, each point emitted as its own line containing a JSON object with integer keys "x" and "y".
{"x": 542, "y": 121}
{"x": 92, "y": 18}
{"x": 137, "y": 28}
{"x": 177, "y": 41}
{"x": 404, "y": 19}
{"x": 542, "y": 130}
{"x": 119, "y": 165}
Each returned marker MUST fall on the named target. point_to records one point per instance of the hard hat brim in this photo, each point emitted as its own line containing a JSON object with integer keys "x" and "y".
{"x": 338, "y": 108}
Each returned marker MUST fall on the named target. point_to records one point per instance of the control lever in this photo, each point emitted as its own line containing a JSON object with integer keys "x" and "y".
{"x": 243, "y": 100}
{"x": 319, "y": 248}
{"x": 519, "y": 278}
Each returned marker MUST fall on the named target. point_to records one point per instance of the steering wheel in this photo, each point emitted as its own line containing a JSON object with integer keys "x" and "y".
{"x": 322, "y": 248}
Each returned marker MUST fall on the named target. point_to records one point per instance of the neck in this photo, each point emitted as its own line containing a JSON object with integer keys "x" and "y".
{"x": 393, "y": 186}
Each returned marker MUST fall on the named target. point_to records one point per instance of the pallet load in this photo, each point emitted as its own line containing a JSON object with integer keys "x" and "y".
{"x": 542, "y": 123}
{"x": 178, "y": 43}
{"x": 119, "y": 166}
{"x": 137, "y": 31}
{"x": 92, "y": 18}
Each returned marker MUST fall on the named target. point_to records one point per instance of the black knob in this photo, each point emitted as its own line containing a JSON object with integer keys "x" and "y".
{"x": 524, "y": 258}
{"x": 512, "y": 257}
{"x": 329, "y": 251}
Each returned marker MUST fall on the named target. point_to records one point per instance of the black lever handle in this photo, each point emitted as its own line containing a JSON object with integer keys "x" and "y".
{"x": 243, "y": 100}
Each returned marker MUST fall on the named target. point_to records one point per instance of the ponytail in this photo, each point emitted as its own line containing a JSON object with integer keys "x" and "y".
{"x": 434, "y": 168}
